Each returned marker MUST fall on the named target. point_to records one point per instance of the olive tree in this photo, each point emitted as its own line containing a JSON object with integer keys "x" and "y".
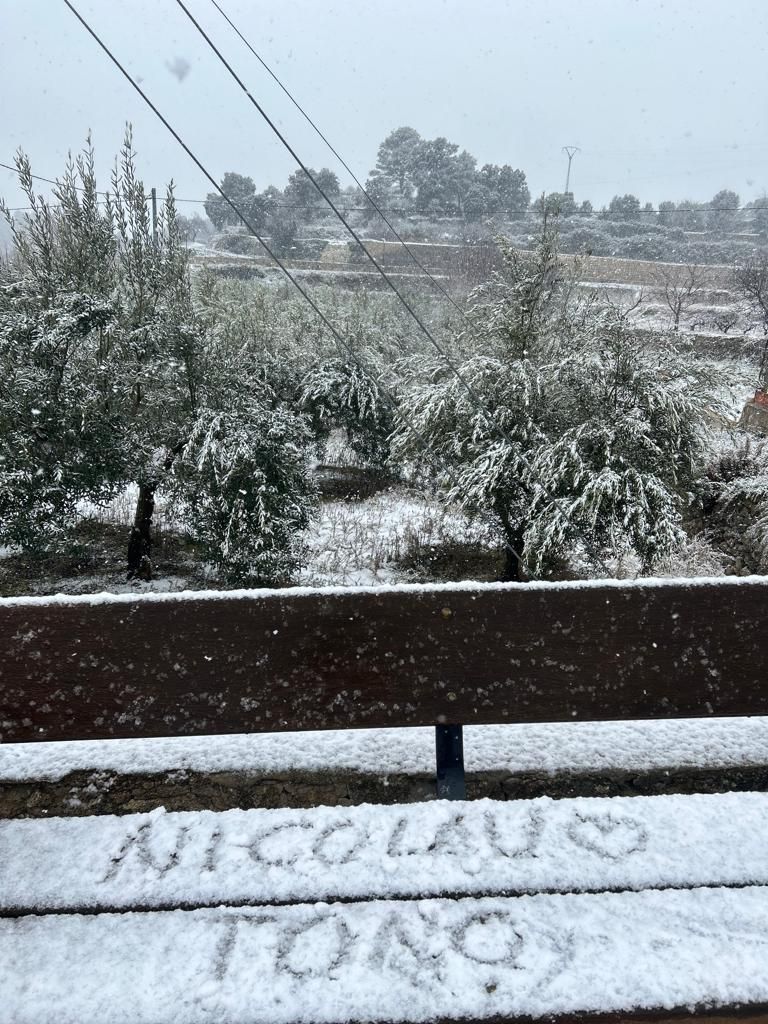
{"x": 564, "y": 431}
{"x": 111, "y": 375}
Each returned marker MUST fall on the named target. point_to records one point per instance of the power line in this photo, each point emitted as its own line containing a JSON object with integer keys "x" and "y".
{"x": 52, "y": 181}
{"x": 411, "y": 212}
{"x": 346, "y": 346}
{"x": 390, "y": 283}
{"x": 468, "y": 388}
{"x": 334, "y": 332}
{"x": 50, "y": 206}
{"x": 394, "y": 210}
{"x": 344, "y": 164}
{"x": 355, "y": 209}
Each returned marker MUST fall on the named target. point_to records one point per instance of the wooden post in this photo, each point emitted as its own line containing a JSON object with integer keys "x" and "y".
{"x": 154, "y": 216}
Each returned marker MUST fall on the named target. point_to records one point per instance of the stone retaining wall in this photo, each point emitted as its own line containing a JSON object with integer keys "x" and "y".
{"x": 102, "y": 792}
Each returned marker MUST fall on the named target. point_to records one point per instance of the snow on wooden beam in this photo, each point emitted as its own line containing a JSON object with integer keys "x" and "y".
{"x": 200, "y": 859}
{"x": 537, "y": 956}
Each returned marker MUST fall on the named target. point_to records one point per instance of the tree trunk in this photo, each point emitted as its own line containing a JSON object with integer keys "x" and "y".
{"x": 140, "y": 541}
{"x": 511, "y": 573}
{"x": 762, "y": 377}
{"x": 514, "y": 539}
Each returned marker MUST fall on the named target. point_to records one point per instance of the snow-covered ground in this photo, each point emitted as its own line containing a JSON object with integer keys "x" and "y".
{"x": 361, "y": 543}
{"x": 349, "y": 543}
{"x": 371, "y": 542}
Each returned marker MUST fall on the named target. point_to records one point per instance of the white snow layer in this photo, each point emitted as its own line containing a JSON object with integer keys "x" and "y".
{"x": 562, "y": 746}
{"x": 389, "y": 959}
{"x": 480, "y": 847}
{"x": 644, "y": 583}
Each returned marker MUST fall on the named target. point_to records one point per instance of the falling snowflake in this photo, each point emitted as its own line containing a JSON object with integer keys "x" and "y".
{"x": 179, "y": 67}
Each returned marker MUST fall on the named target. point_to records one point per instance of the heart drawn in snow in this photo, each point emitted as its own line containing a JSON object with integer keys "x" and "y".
{"x": 608, "y": 835}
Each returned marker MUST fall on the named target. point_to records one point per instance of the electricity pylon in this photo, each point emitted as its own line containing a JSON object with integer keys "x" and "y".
{"x": 571, "y": 151}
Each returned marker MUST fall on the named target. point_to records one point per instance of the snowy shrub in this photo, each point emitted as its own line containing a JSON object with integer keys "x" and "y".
{"x": 308, "y": 248}
{"x": 239, "y": 243}
{"x": 58, "y": 438}
{"x": 588, "y": 240}
{"x": 283, "y": 231}
{"x": 736, "y": 501}
{"x": 642, "y": 247}
{"x": 341, "y": 394}
{"x": 696, "y": 556}
{"x": 634, "y": 228}
{"x": 246, "y": 491}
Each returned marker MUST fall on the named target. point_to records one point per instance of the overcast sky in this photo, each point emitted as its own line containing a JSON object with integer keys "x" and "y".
{"x": 666, "y": 99}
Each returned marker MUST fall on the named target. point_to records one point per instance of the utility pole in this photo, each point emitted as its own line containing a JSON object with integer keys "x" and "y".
{"x": 154, "y": 216}
{"x": 571, "y": 152}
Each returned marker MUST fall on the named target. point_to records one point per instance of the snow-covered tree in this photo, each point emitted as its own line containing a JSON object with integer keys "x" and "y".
{"x": 303, "y": 197}
{"x": 555, "y": 204}
{"x": 679, "y": 286}
{"x": 724, "y": 205}
{"x": 477, "y": 203}
{"x": 242, "y": 191}
{"x": 194, "y": 228}
{"x": 625, "y": 207}
{"x": 108, "y": 373}
{"x": 393, "y": 173}
{"x": 243, "y": 481}
{"x": 342, "y": 393}
{"x": 59, "y": 408}
{"x": 689, "y": 215}
{"x": 736, "y": 501}
{"x": 434, "y": 177}
{"x": 759, "y": 212}
{"x": 59, "y": 425}
{"x": 563, "y": 429}
{"x": 507, "y": 190}
{"x": 283, "y": 231}
{"x": 443, "y": 176}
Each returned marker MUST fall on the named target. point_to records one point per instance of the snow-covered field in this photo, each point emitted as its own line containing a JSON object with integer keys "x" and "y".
{"x": 349, "y": 543}
{"x": 362, "y": 543}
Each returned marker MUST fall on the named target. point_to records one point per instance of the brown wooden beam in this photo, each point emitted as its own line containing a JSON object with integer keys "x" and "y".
{"x": 276, "y": 661}
{"x": 741, "y": 1014}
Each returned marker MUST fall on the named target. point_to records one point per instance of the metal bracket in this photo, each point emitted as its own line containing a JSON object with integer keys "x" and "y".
{"x": 449, "y": 755}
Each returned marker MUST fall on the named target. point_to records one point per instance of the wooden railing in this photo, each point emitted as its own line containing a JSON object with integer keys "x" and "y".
{"x": 268, "y": 661}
